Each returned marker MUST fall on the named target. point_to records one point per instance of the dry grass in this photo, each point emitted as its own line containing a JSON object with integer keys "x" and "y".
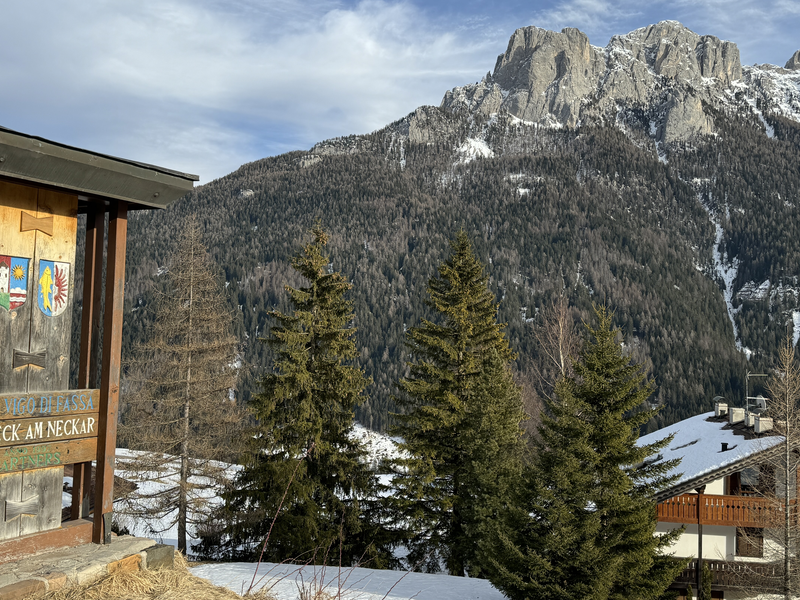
{"x": 166, "y": 584}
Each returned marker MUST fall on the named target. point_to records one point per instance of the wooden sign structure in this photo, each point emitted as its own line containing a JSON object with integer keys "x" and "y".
{"x": 45, "y": 423}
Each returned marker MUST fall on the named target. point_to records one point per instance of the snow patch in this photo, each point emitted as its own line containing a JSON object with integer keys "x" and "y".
{"x": 379, "y": 447}
{"x": 726, "y": 270}
{"x": 768, "y": 128}
{"x": 474, "y": 148}
{"x": 795, "y": 327}
{"x": 754, "y": 292}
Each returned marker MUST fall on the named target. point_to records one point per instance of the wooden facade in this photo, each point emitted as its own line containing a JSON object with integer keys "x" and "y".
{"x": 45, "y": 423}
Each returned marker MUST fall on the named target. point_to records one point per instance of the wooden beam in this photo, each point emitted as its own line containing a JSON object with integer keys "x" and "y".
{"x": 109, "y": 383}
{"x": 92, "y": 289}
{"x": 91, "y": 320}
{"x": 71, "y": 533}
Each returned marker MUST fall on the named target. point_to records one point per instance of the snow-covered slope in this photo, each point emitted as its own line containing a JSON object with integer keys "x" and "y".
{"x": 127, "y": 511}
{"x": 290, "y": 582}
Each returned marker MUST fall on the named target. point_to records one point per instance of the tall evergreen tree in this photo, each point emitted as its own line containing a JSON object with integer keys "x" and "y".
{"x": 305, "y": 416}
{"x": 178, "y": 406}
{"x": 584, "y": 527}
{"x": 461, "y": 434}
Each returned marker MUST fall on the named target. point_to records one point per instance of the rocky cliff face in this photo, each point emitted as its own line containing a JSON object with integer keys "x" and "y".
{"x": 664, "y": 71}
{"x": 793, "y": 63}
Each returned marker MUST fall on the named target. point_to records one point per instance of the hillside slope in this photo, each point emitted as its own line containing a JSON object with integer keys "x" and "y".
{"x": 657, "y": 175}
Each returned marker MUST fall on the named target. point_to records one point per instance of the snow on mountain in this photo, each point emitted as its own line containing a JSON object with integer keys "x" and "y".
{"x": 777, "y": 89}
{"x": 666, "y": 70}
{"x": 474, "y": 148}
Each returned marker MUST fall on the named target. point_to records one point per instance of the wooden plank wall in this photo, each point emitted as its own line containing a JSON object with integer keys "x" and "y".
{"x": 52, "y": 334}
{"x": 15, "y": 325}
{"x": 35, "y": 224}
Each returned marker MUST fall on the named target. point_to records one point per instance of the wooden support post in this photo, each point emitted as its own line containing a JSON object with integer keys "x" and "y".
{"x": 90, "y": 328}
{"x": 699, "y": 573}
{"x": 109, "y": 384}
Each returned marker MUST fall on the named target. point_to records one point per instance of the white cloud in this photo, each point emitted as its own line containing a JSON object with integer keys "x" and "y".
{"x": 764, "y": 30}
{"x": 201, "y": 86}
{"x": 593, "y": 17}
{"x": 206, "y": 85}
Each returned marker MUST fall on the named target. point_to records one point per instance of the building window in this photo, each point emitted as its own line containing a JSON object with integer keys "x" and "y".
{"x": 750, "y": 542}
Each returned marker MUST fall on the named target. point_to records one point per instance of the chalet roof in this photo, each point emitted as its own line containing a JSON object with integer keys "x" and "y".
{"x": 698, "y": 443}
{"x": 89, "y": 174}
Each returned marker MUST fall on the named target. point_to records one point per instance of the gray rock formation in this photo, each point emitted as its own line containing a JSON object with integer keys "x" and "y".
{"x": 426, "y": 124}
{"x": 793, "y": 64}
{"x": 547, "y": 73}
{"x": 666, "y": 69}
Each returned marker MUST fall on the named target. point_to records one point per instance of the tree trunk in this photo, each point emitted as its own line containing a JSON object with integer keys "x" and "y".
{"x": 787, "y": 517}
{"x": 183, "y": 503}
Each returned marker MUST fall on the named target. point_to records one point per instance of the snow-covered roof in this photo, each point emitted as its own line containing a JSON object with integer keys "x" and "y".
{"x": 698, "y": 443}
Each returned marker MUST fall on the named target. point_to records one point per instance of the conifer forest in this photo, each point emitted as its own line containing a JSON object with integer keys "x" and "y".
{"x": 590, "y": 213}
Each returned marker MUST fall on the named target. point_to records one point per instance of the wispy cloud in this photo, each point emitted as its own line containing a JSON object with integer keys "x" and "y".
{"x": 599, "y": 18}
{"x": 145, "y": 78}
{"x": 764, "y": 30}
{"x": 206, "y": 85}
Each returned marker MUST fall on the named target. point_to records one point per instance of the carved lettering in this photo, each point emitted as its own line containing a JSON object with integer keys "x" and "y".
{"x": 51, "y": 403}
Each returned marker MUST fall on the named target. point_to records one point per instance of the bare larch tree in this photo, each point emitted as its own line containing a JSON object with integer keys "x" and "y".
{"x": 778, "y": 541}
{"x": 181, "y": 416}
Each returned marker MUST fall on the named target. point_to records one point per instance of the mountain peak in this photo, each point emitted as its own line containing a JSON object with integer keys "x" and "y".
{"x": 552, "y": 78}
{"x": 794, "y": 62}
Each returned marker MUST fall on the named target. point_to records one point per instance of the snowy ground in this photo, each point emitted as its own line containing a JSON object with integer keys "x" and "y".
{"x": 164, "y": 529}
{"x": 287, "y": 581}
{"x": 378, "y": 446}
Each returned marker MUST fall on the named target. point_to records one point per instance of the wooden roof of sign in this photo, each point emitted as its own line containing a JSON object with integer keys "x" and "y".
{"x": 89, "y": 174}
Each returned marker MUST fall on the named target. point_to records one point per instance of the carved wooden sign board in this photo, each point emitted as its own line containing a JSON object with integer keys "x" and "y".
{"x": 43, "y": 424}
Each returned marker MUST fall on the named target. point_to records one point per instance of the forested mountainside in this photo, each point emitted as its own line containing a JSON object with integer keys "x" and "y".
{"x": 656, "y": 175}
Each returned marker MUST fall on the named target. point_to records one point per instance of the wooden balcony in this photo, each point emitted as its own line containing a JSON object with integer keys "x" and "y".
{"x": 727, "y": 575}
{"x": 737, "y": 511}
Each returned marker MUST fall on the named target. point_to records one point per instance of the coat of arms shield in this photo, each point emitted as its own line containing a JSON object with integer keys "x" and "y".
{"x": 53, "y": 287}
{"x": 13, "y": 281}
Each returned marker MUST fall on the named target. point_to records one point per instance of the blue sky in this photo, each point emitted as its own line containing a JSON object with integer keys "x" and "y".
{"x": 203, "y": 86}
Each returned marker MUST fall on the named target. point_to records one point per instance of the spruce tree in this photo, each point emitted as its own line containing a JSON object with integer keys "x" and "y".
{"x": 461, "y": 432}
{"x": 585, "y": 522}
{"x": 302, "y": 445}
